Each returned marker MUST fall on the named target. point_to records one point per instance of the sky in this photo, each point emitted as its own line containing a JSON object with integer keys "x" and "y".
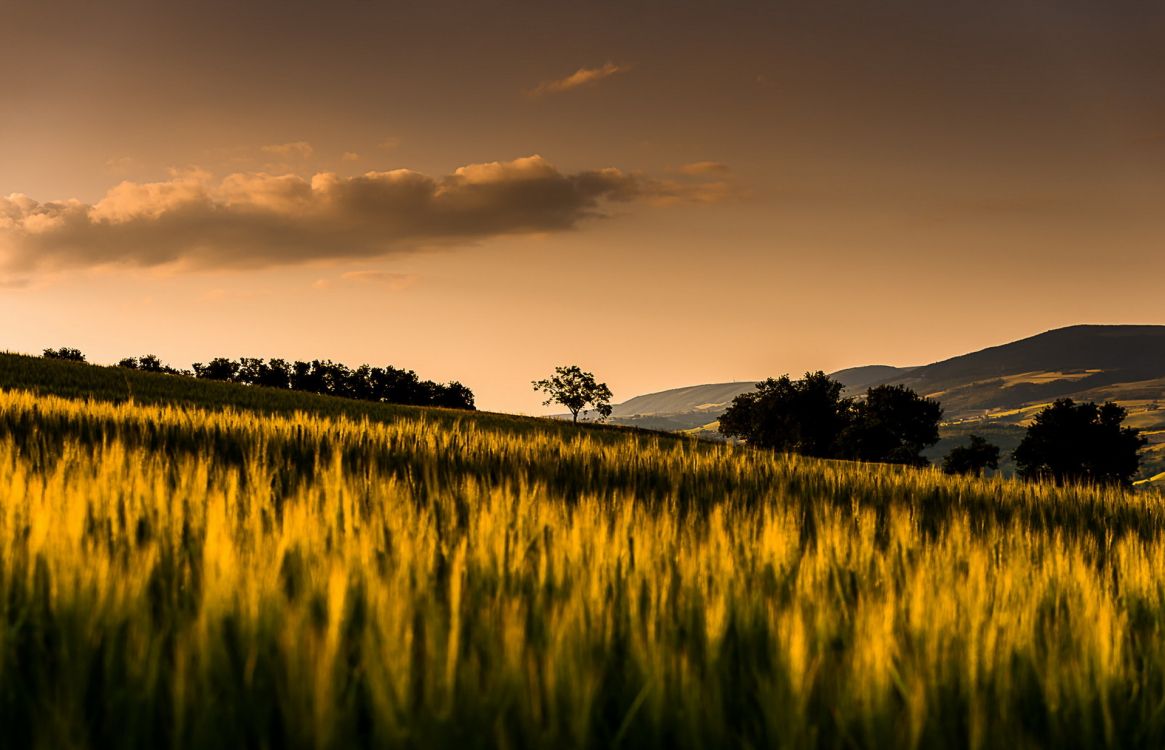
{"x": 664, "y": 193}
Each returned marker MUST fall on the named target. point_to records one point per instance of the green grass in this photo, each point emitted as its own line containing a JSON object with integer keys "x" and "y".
{"x": 282, "y": 576}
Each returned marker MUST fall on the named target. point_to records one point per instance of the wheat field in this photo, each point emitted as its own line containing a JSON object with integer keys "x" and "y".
{"x": 189, "y": 578}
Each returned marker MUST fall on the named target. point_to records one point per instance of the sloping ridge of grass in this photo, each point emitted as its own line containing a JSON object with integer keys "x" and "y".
{"x": 186, "y": 577}
{"x": 82, "y": 380}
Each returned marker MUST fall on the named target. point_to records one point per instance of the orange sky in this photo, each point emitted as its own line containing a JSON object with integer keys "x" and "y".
{"x": 664, "y": 193}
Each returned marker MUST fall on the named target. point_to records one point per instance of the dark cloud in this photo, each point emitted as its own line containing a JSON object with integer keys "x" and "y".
{"x": 259, "y": 219}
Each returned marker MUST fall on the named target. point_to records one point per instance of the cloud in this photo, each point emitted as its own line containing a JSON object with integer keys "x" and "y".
{"x": 581, "y": 77}
{"x": 697, "y": 168}
{"x": 257, "y": 219}
{"x": 389, "y": 144}
{"x": 298, "y": 149}
{"x": 122, "y": 165}
{"x": 14, "y": 282}
{"x": 388, "y": 278}
{"x": 350, "y": 156}
{"x": 673, "y": 192}
{"x": 394, "y": 282}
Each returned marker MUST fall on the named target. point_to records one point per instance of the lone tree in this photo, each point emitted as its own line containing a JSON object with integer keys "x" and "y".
{"x": 805, "y": 416}
{"x": 892, "y": 425}
{"x": 1071, "y": 442}
{"x": 576, "y": 390}
{"x": 973, "y": 458}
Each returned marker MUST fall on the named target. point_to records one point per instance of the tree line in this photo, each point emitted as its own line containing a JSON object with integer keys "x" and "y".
{"x": 1065, "y": 442}
{"x": 364, "y": 383}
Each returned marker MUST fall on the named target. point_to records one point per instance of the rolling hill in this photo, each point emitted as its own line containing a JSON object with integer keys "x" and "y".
{"x": 993, "y": 392}
{"x": 205, "y": 565}
{"x": 697, "y": 405}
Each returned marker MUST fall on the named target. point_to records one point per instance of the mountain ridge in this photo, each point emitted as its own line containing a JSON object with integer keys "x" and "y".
{"x": 993, "y": 391}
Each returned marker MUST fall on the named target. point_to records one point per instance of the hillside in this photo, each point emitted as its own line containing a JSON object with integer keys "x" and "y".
{"x": 993, "y": 392}
{"x": 80, "y": 380}
{"x": 207, "y": 578}
{"x": 1067, "y": 362}
{"x": 697, "y": 405}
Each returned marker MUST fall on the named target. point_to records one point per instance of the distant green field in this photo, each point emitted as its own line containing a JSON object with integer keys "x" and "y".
{"x": 275, "y": 576}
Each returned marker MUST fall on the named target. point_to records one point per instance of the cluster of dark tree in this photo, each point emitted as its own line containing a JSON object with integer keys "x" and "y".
{"x": 974, "y": 458}
{"x": 151, "y": 363}
{"x": 1082, "y": 443}
{"x": 810, "y": 416}
{"x": 66, "y": 353}
{"x": 364, "y": 383}
{"x": 1066, "y": 443}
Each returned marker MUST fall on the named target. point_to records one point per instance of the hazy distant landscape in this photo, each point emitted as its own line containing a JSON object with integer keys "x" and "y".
{"x": 993, "y": 392}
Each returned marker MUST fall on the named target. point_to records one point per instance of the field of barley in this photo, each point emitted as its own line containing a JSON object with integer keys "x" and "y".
{"x": 184, "y": 577}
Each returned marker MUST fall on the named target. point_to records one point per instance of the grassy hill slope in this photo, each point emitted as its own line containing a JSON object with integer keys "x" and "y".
{"x": 188, "y": 577}
{"x": 1067, "y": 362}
{"x": 79, "y": 380}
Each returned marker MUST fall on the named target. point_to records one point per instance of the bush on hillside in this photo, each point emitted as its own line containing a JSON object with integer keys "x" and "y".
{"x": 66, "y": 353}
{"x": 975, "y": 458}
{"x": 1085, "y": 443}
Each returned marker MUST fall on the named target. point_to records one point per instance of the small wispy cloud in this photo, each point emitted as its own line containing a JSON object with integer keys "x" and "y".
{"x": 389, "y": 144}
{"x": 697, "y": 168}
{"x": 350, "y": 156}
{"x": 14, "y": 282}
{"x": 122, "y": 165}
{"x": 393, "y": 282}
{"x": 297, "y": 149}
{"x": 581, "y": 77}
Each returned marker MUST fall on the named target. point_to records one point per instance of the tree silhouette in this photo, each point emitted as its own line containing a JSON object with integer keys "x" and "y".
{"x": 1071, "y": 442}
{"x": 325, "y": 377}
{"x": 893, "y": 425}
{"x": 575, "y": 390}
{"x": 805, "y": 416}
{"x": 219, "y": 368}
{"x": 811, "y": 417}
{"x": 150, "y": 363}
{"x": 973, "y": 458}
{"x": 66, "y": 353}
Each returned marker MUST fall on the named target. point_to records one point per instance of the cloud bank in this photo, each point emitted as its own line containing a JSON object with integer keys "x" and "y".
{"x": 254, "y": 220}
{"x": 581, "y": 77}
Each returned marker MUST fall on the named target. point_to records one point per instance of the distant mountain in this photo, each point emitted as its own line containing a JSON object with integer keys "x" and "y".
{"x": 697, "y": 405}
{"x": 993, "y": 391}
{"x": 857, "y": 379}
{"x": 1064, "y": 362}
{"x": 693, "y": 399}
